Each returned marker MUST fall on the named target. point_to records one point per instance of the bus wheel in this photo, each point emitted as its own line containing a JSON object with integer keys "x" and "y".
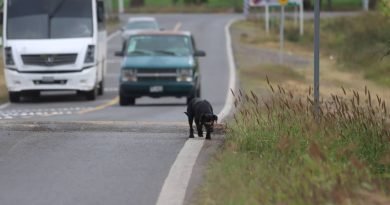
{"x": 91, "y": 95}
{"x": 101, "y": 88}
{"x": 14, "y": 97}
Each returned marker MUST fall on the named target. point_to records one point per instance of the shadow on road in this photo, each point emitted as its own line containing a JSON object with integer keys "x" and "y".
{"x": 52, "y": 98}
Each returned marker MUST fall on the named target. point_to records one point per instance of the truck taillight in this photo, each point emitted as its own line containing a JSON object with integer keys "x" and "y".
{"x": 9, "y": 59}
{"x": 90, "y": 55}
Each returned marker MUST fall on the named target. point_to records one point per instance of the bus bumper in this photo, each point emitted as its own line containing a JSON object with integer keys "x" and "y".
{"x": 82, "y": 81}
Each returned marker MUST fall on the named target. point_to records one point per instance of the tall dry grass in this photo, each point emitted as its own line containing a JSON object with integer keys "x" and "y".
{"x": 278, "y": 151}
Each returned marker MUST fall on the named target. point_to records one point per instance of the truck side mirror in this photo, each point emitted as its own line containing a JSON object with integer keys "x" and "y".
{"x": 200, "y": 54}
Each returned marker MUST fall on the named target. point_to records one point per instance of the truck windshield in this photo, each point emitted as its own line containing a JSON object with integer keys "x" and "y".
{"x": 45, "y": 19}
{"x": 176, "y": 45}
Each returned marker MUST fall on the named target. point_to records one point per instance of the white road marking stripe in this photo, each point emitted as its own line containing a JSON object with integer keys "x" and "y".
{"x": 228, "y": 108}
{"x": 114, "y": 61}
{"x": 111, "y": 36}
{"x": 176, "y": 183}
{"x": 3, "y": 106}
{"x": 111, "y": 89}
{"x": 27, "y": 113}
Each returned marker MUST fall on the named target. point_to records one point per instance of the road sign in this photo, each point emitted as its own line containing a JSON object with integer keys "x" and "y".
{"x": 283, "y": 2}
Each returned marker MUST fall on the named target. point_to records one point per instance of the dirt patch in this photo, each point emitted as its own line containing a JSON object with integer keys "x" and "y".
{"x": 3, "y": 89}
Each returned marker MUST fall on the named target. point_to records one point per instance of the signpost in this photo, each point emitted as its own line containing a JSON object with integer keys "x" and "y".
{"x": 274, "y": 3}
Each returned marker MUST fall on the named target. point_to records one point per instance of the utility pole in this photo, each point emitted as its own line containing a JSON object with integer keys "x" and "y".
{"x": 108, "y": 5}
{"x": 246, "y": 8}
{"x": 283, "y": 4}
{"x": 317, "y": 58}
{"x": 281, "y": 36}
{"x": 366, "y": 5}
{"x": 120, "y": 6}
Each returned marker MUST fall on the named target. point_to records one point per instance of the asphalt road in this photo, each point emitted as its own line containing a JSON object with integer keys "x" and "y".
{"x": 62, "y": 165}
{"x": 210, "y": 37}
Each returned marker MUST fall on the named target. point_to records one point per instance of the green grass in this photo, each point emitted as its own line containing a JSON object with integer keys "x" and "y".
{"x": 275, "y": 153}
{"x": 357, "y": 43}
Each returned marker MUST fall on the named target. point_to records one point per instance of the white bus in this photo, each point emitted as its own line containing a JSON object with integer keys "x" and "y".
{"x": 54, "y": 45}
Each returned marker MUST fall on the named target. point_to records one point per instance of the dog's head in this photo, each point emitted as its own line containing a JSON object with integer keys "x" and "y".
{"x": 208, "y": 120}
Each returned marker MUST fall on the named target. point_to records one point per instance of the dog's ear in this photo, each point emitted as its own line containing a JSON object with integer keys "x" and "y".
{"x": 215, "y": 118}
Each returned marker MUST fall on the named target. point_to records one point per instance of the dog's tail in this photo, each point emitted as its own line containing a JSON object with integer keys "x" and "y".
{"x": 186, "y": 114}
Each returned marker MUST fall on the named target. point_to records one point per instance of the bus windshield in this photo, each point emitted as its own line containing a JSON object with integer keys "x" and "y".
{"x": 46, "y": 19}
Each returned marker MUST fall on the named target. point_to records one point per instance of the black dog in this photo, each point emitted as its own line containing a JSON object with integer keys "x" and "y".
{"x": 202, "y": 111}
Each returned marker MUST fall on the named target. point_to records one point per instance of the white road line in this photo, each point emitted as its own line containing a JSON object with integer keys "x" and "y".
{"x": 114, "y": 61}
{"x": 228, "y": 108}
{"x": 111, "y": 36}
{"x": 111, "y": 89}
{"x": 23, "y": 113}
{"x": 176, "y": 183}
{"x": 3, "y": 106}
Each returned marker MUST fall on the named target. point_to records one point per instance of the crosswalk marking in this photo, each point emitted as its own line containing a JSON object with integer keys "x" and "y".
{"x": 40, "y": 112}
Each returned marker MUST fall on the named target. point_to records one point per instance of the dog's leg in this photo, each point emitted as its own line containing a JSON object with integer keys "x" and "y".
{"x": 199, "y": 128}
{"x": 190, "y": 122}
{"x": 208, "y": 135}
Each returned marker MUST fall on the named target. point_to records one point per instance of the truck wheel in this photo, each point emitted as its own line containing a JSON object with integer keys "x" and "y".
{"x": 198, "y": 93}
{"x": 14, "y": 97}
{"x": 132, "y": 101}
{"x": 124, "y": 100}
{"x": 91, "y": 95}
{"x": 101, "y": 88}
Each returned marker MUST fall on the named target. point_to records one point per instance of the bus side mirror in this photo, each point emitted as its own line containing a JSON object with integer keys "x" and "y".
{"x": 1, "y": 18}
{"x": 100, "y": 11}
{"x": 119, "y": 53}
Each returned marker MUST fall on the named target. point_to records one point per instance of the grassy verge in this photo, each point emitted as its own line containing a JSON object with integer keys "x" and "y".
{"x": 112, "y": 25}
{"x": 358, "y": 44}
{"x": 275, "y": 153}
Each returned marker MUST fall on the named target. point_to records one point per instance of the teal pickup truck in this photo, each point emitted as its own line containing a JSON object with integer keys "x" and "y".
{"x": 159, "y": 64}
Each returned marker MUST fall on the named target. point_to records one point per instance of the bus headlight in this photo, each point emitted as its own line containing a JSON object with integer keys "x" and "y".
{"x": 9, "y": 59}
{"x": 184, "y": 75}
{"x": 129, "y": 75}
{"x": 90, "y": 55}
